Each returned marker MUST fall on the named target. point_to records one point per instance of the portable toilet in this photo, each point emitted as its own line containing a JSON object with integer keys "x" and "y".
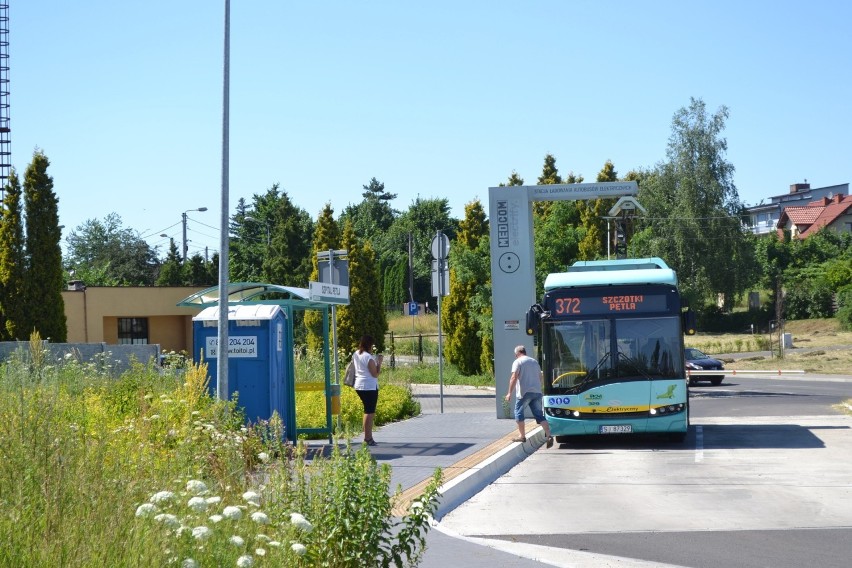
{"x": 259, "y": 356}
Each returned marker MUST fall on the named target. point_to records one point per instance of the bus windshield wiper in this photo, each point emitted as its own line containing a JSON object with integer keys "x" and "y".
{"x": 637, "y": 366}
{"x": 591, "y": 374}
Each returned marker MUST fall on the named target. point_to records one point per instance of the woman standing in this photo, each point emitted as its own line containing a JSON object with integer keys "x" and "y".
{"x": 367, "y": 369}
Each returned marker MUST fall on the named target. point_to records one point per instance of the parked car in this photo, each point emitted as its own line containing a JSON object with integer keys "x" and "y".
{"x": 697, "y": 360}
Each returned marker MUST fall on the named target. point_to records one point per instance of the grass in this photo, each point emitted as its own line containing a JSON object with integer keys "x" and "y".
{"x": 829, "y": 348}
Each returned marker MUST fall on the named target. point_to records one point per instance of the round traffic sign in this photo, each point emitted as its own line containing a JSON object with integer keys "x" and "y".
{"x": 440, "y": 246}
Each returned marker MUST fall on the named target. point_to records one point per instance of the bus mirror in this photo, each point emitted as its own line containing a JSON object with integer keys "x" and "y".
{"x": 688, "y": 318}
{"x": 533, "y": 319}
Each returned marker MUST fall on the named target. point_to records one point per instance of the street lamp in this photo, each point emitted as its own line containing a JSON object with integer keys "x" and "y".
{"x": 183, "y": 218}
{"x": 258, "y": 221}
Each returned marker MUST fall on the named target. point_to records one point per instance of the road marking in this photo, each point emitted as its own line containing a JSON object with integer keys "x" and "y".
{"x": 699, "y": 444}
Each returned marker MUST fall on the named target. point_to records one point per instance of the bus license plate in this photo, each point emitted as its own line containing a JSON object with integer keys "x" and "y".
{"x": 618, "y": 429}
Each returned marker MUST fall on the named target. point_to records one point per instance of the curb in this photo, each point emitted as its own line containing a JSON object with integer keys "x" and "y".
{"x": 484, "y": 473}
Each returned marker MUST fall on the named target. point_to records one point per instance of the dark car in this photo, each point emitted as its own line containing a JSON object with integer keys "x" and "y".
{"x": 697, "y": 360}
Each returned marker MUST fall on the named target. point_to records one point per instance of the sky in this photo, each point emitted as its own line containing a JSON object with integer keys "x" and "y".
{"x": 439, "y": 99}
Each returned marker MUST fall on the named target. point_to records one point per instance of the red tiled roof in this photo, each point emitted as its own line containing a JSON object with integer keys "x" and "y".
{"x": 829, "y": 214}
{"x": 802, "y": 215}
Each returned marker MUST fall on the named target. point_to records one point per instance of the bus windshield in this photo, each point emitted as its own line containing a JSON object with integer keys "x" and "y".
{"x": 584, "y": 353}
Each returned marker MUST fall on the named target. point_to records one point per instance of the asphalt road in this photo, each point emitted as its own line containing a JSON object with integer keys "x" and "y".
{"x": 764, "y": 480}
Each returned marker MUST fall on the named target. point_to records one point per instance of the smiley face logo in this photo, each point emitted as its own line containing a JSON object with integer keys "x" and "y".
{"x": 509, "y": 262}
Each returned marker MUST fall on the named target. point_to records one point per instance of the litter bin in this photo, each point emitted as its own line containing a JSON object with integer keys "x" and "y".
{"x": 334, "y": 393}
{"x": 259, "y": 357}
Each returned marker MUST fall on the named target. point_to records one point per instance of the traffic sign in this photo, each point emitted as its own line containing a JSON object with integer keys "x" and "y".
{"x": 412, "y": 309}
{"x": 440, "y": 246}
{"x": 440, "y": 278}
{"x": 329, "y": 293}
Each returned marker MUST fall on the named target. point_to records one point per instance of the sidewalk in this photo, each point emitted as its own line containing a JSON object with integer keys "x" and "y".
{"x": 472, "y": 447}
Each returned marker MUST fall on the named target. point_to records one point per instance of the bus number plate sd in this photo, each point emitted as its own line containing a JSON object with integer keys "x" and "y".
{"x": 617, "y": 429}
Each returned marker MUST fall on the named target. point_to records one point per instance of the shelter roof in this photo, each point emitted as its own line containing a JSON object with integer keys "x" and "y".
{"x": 245, "y": 292}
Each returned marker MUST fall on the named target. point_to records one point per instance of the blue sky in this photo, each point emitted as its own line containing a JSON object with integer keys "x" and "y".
{"x": 435, "y": 99}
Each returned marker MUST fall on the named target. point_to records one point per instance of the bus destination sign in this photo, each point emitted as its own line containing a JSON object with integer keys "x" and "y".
{"x": 606, "y": 304}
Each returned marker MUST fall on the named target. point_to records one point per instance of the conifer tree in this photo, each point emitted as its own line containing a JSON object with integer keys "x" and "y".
{"x": 171, "y": 273}
{"x": 45, "y": 308}
{"x": 461, "y": 326}
{"x": 12, "y": 269}
{"x": 326, "y": 237}
{"x": 365, "y": 314}
{"x": 591, "y": 212}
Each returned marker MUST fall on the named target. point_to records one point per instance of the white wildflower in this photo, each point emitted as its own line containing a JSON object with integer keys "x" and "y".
{"x": 252, "y": 498}
{"x": 237, "y": 540}
{"x": 196, "y": 487}
{"x": 215, "y": 500}
{"x": 168, "y": 519}
{"x": 146, "y": 510}
{"x": 215, "y": 518}
{"x": 201, "y": 533}
{"x": 260, "y": 518}
{"x": 273, "y": 543}
{"x": 155, "y": 417}
{"x": 263, "y": 456}
{"x": 162, "y": 497}
{"x": 262, "y": 538}
{"x": 245, "y": 561}
{"x": 232, "y": 513}
{"x": 260, "y": 551}
{"x": 299, "y": 549}
{"x": 301, "y": 522}
{"x": 189, "y": 563}
{"x": 197, "y": 504}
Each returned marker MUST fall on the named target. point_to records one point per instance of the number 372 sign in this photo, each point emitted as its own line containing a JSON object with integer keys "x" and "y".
{"x": 243, "y": 346}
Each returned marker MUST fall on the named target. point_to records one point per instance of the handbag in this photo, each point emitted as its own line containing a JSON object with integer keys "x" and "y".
{"x": 349, "y": 376}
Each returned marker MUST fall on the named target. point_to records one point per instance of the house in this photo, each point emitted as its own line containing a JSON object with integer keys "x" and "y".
{"x": 763, "y": 218}
{"x": 131, "y": 315}
{"x": 834, "y": 213}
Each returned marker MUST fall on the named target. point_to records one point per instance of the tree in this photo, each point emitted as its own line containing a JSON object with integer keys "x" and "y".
{"x": 373, "y": 215}
{"x": 12, "y": 268}
{"x": 288, "y": 259}
{"x": 462, "y": 328}
{"x": 593, "y": 244}
{"x": 422, "y": 221}
{"x": 171, "y": 273}
{"x": 248, "y": 243}
{"x": 195, "y": 272}
{"x": 694, "y": 210}
{"x": 45, "y": 309}
{"x": 326, "y": 237}
{"x": 118, "y": 255}
{"x": 365, "y": 313}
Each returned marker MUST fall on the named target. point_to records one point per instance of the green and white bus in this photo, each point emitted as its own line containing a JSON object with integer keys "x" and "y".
{"x": 609, "y": 338}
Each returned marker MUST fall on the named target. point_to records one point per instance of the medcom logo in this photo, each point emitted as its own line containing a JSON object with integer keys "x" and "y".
{"x": 558, "y": 400}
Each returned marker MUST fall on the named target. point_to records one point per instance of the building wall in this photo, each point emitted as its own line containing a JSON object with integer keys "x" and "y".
{"x": 92, "y": 314}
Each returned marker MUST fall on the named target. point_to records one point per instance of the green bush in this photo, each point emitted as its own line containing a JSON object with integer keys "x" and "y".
{"x": 844, "y": 307}
{"x": 808, "y": 298}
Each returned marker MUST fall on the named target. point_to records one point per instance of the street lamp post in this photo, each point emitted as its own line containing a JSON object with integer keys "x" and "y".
{"x": 265, "y": 222}
{"x": 183, "y": 219}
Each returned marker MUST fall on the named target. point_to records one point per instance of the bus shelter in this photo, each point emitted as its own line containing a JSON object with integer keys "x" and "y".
{"x": 267, "y": 375}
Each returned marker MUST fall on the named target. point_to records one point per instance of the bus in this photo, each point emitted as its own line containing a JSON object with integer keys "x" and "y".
{"x": 609, "y": 337}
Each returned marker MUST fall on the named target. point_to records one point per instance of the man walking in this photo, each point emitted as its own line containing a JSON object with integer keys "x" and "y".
{"x": 526, "y": 382}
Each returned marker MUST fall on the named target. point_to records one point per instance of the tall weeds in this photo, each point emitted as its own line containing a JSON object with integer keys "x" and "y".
{"x": 85, "y": 460}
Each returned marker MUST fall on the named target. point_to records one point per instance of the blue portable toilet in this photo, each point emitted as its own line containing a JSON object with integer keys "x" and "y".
{"x": 259, "y": 357}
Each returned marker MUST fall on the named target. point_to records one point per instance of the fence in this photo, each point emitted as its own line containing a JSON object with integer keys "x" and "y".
{"x": 113, "y": 358}
{"x": 411, "y": 348}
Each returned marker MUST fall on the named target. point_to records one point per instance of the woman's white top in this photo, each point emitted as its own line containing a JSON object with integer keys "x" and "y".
{"x": 364, "y": 380}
